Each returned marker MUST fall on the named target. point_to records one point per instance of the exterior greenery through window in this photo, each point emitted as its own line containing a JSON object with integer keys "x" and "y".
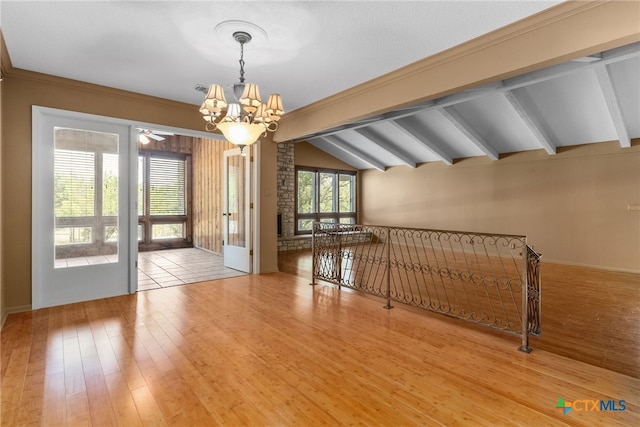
{"x": 86, "y": 197}
{"x": 83, "y": 216}
{"x": 85, "y": 178}
{"x": 324, "y": 195}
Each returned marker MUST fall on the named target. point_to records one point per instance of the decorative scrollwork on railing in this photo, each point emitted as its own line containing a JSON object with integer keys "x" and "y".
{"x": 533, "y": 292}
{"x": 474, "y": 276}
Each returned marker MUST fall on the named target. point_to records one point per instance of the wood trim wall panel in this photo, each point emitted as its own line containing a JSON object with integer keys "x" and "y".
{"x": 208, "y": 192}
{"x": 172, "y": 143}
{"x": 3, "y": 58}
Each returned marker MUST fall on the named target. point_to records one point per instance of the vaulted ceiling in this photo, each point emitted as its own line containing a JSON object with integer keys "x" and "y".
{"x": 592, "y": 99}
{"x": 311, "y": 50}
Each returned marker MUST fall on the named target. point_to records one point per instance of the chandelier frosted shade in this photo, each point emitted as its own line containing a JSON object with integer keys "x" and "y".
{"x": 214, "y": 103}
{"x": 251, "y": 98}
{"x": 274, "y": 107}
{"x": 244, "y": 121}
{"x": 241, "y": 133}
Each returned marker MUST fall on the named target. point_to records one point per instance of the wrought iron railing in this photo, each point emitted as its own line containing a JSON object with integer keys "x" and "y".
{"x": 488, "y": 279}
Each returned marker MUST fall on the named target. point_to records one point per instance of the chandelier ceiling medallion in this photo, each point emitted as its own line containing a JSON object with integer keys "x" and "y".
{"x": 241, "y": 122}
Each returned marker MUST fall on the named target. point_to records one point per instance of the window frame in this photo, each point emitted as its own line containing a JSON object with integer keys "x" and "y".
{"x": 147, "y": 221}
{"x": 318, "y": 216}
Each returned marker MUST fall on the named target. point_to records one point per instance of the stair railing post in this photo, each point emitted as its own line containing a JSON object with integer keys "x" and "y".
{"x": 524, "y": 347}
{"x": 313, "y": 255}
{"x": 388, "y": 262}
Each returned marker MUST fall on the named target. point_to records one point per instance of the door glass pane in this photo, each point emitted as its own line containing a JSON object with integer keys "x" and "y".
{"x": 109, "y": 184}
{"x": 141, "y": 173}
{"x": 111, "y": 233}
{"x": 85, "y": 197}
{"x": 235, "y": 203}
{"x": 327, "y": 196}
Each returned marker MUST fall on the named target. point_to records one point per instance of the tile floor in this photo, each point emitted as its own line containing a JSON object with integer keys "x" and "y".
{"x": 89, "y": 260}
{"x": 173, "y": 267}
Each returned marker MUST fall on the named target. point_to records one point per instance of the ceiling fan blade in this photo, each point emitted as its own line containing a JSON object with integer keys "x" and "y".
{"x": 161, "y": 132}
{"x": 156, "y": 137}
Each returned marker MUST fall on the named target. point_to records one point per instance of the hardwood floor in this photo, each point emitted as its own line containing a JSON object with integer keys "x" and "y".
{"x": 272, "y": 350}
{"x": 588, "y": 315}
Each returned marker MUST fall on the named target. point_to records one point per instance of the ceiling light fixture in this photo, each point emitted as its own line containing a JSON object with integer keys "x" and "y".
{"x": 246, "y": 119}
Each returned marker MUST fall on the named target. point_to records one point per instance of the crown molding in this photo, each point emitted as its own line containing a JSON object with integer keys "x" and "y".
{"x": 569, "y": 30}
{"x": 7, "y": 70}
{"x": 5, "y": 59}
{"x": 51, "y": 80}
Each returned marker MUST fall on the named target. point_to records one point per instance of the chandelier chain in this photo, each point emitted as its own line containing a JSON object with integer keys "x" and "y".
{"x": 241, "y": 62}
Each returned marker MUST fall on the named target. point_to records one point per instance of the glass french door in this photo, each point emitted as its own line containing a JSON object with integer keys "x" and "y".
{"x": 81, "y": 208}
{"x": 237, "y": 215}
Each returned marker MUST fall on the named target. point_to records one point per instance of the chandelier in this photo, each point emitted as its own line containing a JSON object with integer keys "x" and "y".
{"x": 241, "y": 122}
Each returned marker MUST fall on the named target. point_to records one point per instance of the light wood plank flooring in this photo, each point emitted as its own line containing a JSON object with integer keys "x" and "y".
{"x": 270, "y": 350}
{"x": 588, "y": 314}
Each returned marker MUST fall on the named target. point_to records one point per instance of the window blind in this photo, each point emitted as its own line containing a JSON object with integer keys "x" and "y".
{"x": 167, "y": 193}
{"x": 74, "y": 181}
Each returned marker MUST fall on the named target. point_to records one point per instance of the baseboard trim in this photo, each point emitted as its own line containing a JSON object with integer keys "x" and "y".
{"x": 14, "y": 310}
{"x": 597, "y": 267}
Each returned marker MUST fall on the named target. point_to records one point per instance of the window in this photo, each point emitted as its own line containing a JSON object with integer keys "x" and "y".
{"x": 163, "y": 200}
{"x": 85, "y": 193}
{"x": 324, "y": 196}
{"x": 167, "y": 193}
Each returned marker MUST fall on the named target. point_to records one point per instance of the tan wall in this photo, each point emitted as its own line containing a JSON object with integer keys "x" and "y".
{"x": 268, "y": 205}
{"x": 573, "y": 206}
{"x": 22, "y": 90}
{"x": 306, "y": 154}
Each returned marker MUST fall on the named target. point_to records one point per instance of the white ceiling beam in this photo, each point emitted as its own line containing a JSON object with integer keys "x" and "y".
{"x": 561, "y": 70}
{"x": 408, "y": 129}
{"x": 615, "y": 111}
{"x": 382, "y": 118}
{"x": 526, "y": 109}
{"x": 341, "y": 145}
{"x": 468, "y": 95}
{"x": 382, "y": 143}
{"x": 616, "y": 55}
{"x": 339, "y": 154}
{"x": 467, "y": 130}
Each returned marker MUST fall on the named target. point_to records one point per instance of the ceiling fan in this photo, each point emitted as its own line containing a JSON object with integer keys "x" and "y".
{"x": 146, "y": 135}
